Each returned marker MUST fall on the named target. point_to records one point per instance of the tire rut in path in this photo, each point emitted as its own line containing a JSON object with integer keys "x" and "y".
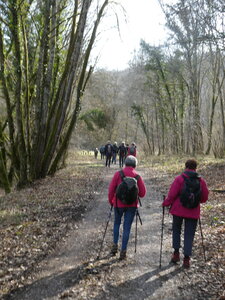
{"x": 73, "y": 272}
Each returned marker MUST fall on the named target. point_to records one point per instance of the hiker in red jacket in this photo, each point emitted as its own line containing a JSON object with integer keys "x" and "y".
{"x": 120, "y": 208}
{"x": 132, "y": 150}
{"x": 181, "y": 212}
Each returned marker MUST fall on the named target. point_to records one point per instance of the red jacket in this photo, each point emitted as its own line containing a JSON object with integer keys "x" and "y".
{"x": 173, "y": 198}
{"x": 135, "y": 151}
{"x": 116, "y": 180}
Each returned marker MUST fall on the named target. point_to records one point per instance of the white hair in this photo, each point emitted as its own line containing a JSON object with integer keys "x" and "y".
{"x": 131, "y": 161}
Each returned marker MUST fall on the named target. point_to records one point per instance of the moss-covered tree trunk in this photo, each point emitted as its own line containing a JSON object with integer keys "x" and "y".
{"x": 15, "y": 30}
{"x": 83, "y": 79}
{"x": 44, "y": 53}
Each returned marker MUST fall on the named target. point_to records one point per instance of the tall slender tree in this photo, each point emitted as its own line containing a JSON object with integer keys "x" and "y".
{"x": 45, "y": 48}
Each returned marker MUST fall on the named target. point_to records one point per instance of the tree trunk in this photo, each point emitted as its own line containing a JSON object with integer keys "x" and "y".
{"x": 211, "y": 126}
{"x": 27, "y": 90}
{"x": 18, "y": 92}
{"x": 64, "y": 94}
{"x": 41, "y": 102}
{"x": 15, "y": 160}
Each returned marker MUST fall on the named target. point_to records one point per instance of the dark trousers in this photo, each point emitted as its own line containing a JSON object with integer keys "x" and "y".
{"x": 108, "y": 160}
{"x": 189, "y": 233}
{"x": 121, "y": 160}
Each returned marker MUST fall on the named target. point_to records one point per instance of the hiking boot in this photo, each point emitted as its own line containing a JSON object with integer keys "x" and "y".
{"x": 186, "y": 262}
{"x": 123, "y": 254}
{"x": 175, "y": 257}
{"x": 114, "y": 249}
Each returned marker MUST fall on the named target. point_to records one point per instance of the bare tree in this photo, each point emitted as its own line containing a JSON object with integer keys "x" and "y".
{"x": 44, "y": 53}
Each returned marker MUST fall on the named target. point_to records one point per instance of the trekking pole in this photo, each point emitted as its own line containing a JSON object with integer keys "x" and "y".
{"x": 160, "y": 256}
{"x": 107, "y": 223}
{"x": 137, "y": 217}
{"x": 135, "y": 247}
{"x": 203, "y": 246}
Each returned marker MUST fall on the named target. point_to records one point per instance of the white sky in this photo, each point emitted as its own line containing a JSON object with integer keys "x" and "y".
{"x": 145, "y": 20}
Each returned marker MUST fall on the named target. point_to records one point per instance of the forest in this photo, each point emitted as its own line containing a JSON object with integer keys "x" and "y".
{"x": 170, "y": 99}
{"x": 57, "y": 105}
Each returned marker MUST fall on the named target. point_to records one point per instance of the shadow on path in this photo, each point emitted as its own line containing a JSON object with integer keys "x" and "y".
{"x": 54, "y": 285}
{"x": 141, "y": 287}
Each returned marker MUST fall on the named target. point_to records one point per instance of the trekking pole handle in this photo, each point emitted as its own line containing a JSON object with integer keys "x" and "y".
{"x": 164, "y": 197}
{"x": 110, "y": 212}
{"x": 139, "y": 216}
{"x": 139, "y": 201}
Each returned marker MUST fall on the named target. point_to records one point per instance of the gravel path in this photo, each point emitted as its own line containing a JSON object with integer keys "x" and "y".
{"x": 73, "y": 272}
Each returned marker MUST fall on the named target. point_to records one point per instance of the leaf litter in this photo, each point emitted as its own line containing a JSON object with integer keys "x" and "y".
{"x": 46, "y": 211}
{"x": 33, "y": 220}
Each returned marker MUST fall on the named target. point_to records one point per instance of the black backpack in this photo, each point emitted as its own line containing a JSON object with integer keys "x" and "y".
{"x": 127, "y": 190}
{"x": 115, "y": 149}
{"x": 102, "y": 149}
{"x": 108, "y": 148}
{"x": 132, "y": 150}
{"x": 191, "y": 192}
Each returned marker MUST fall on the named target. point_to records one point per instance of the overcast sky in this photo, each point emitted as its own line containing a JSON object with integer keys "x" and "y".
{"x": 144, "y": 20}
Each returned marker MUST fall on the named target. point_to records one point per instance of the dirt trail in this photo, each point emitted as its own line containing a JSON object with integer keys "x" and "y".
{"x": 73, "y": 272}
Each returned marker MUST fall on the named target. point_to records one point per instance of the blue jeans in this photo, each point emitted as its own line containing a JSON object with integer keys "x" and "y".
{"x": 114, "y": 158}
{"x": 129, "y": 213}
{"x": 189, "y": 233}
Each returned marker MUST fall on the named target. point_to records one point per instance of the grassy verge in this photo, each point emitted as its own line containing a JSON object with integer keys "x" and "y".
{"x": 175, "y": 164}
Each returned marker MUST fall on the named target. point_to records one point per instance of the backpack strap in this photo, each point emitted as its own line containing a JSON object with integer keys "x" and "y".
{"x": 191, "y": 174}
{"x": 121, "y": 174}
{"x": 137, "y": 177}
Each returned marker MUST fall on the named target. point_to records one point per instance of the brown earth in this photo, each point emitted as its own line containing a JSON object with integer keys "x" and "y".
{"x": 51, "y": 242}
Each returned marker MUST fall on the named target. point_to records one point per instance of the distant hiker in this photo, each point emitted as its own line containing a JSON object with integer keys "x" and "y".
{"x": 122, "y": 154}
{"x": 108, "y": 153}
{"x": 102, "y": 152}
{"x": 121, "y": 208}
{"x": 132, "y": 150}
{"x": 186, "y": 193}
{"x": 114, "y": 153}
{"x": 96, "y": 153}
{"x": 127, "y": 147}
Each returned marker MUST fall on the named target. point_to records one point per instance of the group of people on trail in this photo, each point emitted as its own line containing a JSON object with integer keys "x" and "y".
{"x": 110, "y": 152}
{"x": 185, "y": 195}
